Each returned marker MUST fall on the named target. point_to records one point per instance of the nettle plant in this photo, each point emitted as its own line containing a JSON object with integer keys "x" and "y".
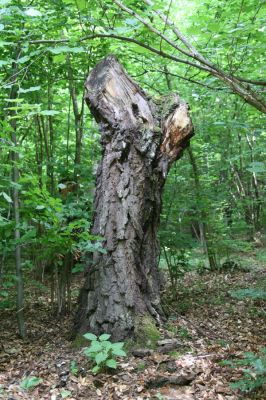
{"x": 103, "y": 352}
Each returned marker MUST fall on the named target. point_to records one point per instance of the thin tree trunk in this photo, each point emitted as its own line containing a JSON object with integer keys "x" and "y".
{"x": 139, "y": 146}
{"x": 205, "y": 235}
{"x": 51, "y": 134}
{"x": 78, "y": 116}
{"x": 15, "y": 178}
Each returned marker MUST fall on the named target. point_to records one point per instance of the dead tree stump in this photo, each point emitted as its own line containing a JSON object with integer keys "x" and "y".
{"x": 139, "y": 142}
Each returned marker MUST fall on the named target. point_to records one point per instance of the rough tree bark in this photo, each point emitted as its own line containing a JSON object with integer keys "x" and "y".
{"x": 139, "y": 144}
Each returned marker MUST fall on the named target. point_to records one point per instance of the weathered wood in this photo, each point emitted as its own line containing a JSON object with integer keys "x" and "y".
{"x": 138, "y": 148}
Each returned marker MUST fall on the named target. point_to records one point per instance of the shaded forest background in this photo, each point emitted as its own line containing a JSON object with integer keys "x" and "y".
{"x": 212, "y": 216}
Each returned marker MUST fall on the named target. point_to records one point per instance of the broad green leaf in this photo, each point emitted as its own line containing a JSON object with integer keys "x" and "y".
{"x": 81, "y": 4}
{"x": 100, "y": 357}
{"x": 65, "y": 393}
{"x": 111, "y": 363}
{"x": 104, "y": 337}
{"x": 256, "y": 167}
{"x": 119, "y": 353}
{"x": 49, "y": 112}
{"x": 60, "y": 58}
{"x": 6, "y": 197}
{"x": 117, "y": 346}
{"x": 14, "y": 100}
{"x": 4, "y": 62}
{"x": 78, "y": 268}
{"x": 32, "y": 12}
{"x": 22, "y": 60}
{"x": 90, "y": 336}
{"x": 253, "y": 293}
{"x": 96, "y": 369}
{"x": 40, "y": 207}
{"x": 31, "y": 89}
{"x": 4, "y": 2}
{"x": 66, "y": 49}
{"x": 107, "y": 345}
{"x": 95, "y": 347}
{"x": 131, "y": 21}
{"x": 30, "y": 382}
{"x": 3, "y": 43}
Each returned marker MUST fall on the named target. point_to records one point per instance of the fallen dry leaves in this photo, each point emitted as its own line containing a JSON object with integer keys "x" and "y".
{"x": 214, "y": 327}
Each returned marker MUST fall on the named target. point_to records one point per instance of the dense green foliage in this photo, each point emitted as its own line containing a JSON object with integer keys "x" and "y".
{"x": 213, "y": 201}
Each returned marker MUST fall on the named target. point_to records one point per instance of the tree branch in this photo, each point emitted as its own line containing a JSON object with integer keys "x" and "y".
{"x": 236, "y": 86}
{"x": 125, "y": 39}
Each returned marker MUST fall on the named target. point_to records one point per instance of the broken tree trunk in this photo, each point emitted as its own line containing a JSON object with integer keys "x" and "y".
{"x": 139, "y": 144}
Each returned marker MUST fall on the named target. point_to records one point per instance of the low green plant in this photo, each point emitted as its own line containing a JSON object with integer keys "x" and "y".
{"x": 250, "y": 293}
{"x": 65, "y": 393}
{"x": 141, "y": 366}
{"x": 74, "y": 368}
{"x": 30, "y": 382}
{"x": 254, "y": 373}
{"x": 183, "y": 333}
{"x": 177, "y": 262}
{"x": 103, "y": 352}
{"x": 159, "y": 396}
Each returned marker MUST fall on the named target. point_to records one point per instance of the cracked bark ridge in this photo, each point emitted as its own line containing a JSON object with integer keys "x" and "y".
{"x": 138, "y": 148}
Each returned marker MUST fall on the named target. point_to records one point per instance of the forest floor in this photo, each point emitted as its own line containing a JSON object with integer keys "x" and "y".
{"x": 211, "y": 326}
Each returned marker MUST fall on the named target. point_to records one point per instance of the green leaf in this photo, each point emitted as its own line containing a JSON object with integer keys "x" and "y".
{"x": 31, "y": 89}
{"x": 101, "y": 357}
{"x": 90, "y": 336}
{"x": 252, "y": 293}
{"x": 32, "y": 12}
{"x": 4, "y": 62}
{"x": 131, "y": 21}
{"x": 30, "y": 382}
{"x": 106, "y": 345}
{"x": 49, "y": 112}
{"x": 96, "y": 369}
{"x": 81, "y": 4}
{"x": 6, "y": 197}
{"x": 23, "y": 59}
{"x": 65, "y": 393}
{"x": 78, "y": 268}
{"x": 256, "y": 167}
{"x": 95, "y": 347}
{"x": 111, "y": 363}
{"x": 40, "y": 207}
{"x": 104, "y": 337}
{"x": 66, "y": 49}
{"x": 119, "y": 353}
{"x": 59, "y": 59}
{"x": 4, "y": 2}
{"x": 117, "y": 346}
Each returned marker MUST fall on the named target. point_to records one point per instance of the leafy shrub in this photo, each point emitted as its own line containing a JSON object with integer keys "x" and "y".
{"x": 177, "y": 264}
{"x": 103, "y": 352}
{"x": 254, "y": 375}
